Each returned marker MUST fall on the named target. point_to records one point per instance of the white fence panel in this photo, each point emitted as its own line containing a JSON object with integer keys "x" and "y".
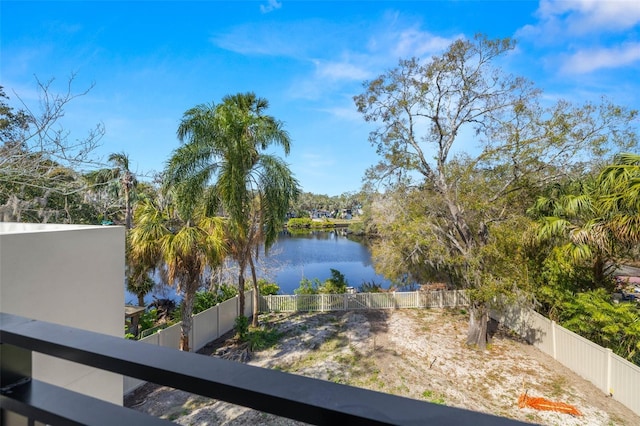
{"x": 248, "y": 304}
{"x": 583, "y": 356}
{"x": 277, "y": 303}
{"x": 406, "y": 300}
{"x": 205, "y": 327}
{"x": 379, "y": 300}
{"x": 341, "y": 302}
{"x": 227, "y": 313}
{"x": 129, "y": 383}
{"x": 625, "y": 383}
{"x": 543, "y": 337}
{"x": 170, "y": 336}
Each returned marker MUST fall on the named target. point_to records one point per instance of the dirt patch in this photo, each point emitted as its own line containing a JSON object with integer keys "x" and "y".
{"x": 419, "y": 354}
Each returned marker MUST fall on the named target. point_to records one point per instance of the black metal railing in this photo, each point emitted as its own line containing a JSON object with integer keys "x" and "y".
{"x": 296, "y": 397}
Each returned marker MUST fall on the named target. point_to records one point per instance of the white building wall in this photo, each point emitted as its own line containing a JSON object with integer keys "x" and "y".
{"x": 71, "y": 275}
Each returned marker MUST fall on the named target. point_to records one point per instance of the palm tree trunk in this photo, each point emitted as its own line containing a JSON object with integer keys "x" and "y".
{"x": 128, "y": 214}
{"x": 256, "y": 294}
{"x": 187, "y": 319}
{"x": 241, "y": 291}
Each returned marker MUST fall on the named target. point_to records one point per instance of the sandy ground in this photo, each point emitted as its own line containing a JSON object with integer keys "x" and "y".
{"x": 419, "y": 354}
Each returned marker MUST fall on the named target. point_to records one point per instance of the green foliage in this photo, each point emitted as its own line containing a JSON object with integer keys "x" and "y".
{"x": 299, "y": 222}
{"x": 322, "y": 224}
{"x": 308, "y": 287}
{"x": 261, "y": 338}
{"x": 242, "y": 327}
{"x": 334, "y": 285}
{"x": 267, "y": 288}
{"x": 370, "y": 287}
{"x": 148, "y": 319}
{"x": 615, "y": 326}
{"x": 204, "y": 300}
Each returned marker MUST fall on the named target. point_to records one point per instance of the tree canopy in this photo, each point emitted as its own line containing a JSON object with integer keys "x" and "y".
{"x": 476, "y": 144}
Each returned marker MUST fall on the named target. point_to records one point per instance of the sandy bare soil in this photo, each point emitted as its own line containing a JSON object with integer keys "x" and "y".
{"x": 419, "y": 354}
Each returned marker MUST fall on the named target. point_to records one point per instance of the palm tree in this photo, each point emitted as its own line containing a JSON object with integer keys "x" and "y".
{"x": 620, "y": 182}
{"x": 187, "y": 243}
{"x": 222, "y": 161}
{"x": 127, "y": 181}
{"x": 574, "y": 217}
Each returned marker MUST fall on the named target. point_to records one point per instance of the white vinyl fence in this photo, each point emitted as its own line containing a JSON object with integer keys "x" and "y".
{"x": 612, "y": 374}
{"x": 347, "y": 302}
{"x": 207, "y": 326}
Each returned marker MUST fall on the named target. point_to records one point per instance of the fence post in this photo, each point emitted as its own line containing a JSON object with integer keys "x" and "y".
{"x": 345, "y": 302}
{"x": 608, "y": 390}
{"x": 192, "y": 335}
{"x": 217, "y": 320}
{"x": 553, "y": 340}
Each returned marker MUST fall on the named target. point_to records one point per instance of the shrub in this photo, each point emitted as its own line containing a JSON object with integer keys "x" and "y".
{"x": 266, "y": 288}
{"x": 308, "y": 287}
{"x": 242, "y": 327}
{"x": 299, "y": 222}
{"x": 337, "y": 284}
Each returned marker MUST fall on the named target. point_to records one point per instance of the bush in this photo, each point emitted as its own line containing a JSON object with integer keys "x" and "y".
{"x": 266, "y": 288}
{"x": 206, "y": 299}
{"x": 308, "y": 287}
{"x": 334, "y": 285}
{"x": 371, "y": 287}
{"x": 299, "y": 222}
{"x": 615, "y": 326}
{"x": 242, "y": 327}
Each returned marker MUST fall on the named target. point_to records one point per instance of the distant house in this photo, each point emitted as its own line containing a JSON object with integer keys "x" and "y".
{"x": 319, "y": 214}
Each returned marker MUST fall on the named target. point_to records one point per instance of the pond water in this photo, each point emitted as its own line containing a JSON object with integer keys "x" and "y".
{"x": 308, "y": 255}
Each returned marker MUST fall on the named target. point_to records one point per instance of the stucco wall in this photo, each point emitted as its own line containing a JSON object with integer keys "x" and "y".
{"x": 70, "y": 275}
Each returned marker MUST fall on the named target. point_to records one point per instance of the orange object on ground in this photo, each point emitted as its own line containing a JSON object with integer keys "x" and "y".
{"x": 546, "y": 405}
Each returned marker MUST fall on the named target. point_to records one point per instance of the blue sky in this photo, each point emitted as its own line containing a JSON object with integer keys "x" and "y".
{"x": 151, "y": 61}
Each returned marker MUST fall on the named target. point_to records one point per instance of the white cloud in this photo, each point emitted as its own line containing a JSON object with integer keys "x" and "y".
{"x": 587, "y": 16}
{"x": 589, "y": 60}
{"x": 413, "y": 42}
{"x": 271, "y": 6}
{"x": 589, "y": 35}
{"x": 340, "y": 71}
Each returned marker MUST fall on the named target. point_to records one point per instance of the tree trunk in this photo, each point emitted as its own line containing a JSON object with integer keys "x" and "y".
{"x": 140, "y": 299}
{"x": 478, "y": 320}
{"x": 598, "y": 272}
{"x": 256, "y": 294}
{"x": 241, "y": 291}
{"x": 128, "y": 212}
{"x": 187, "y": 320}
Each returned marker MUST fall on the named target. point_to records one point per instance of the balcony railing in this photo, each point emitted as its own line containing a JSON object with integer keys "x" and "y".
{"x": 296, "y": 397}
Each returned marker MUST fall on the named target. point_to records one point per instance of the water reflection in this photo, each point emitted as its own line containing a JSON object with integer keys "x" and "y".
{"x": 308, "y": 255}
